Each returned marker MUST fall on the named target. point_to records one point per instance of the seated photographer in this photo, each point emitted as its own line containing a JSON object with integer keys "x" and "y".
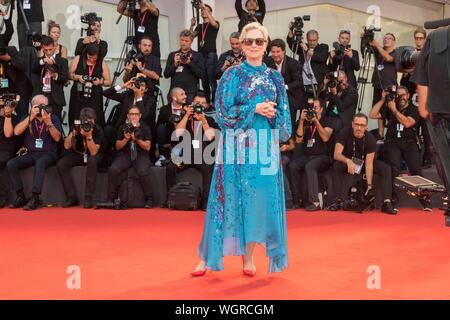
{"x": 84, "y": 144}
{"x": 354, "y": 156}
{"x": 8, "y": 144}
{"x": 14, "y": 79}
{"x": 256, "y": 11}
{"x": 89, "y": 73}
{"x": 54, "y": 32}
{"x": 185, "y": 67}
{"x": 42, "y": 131}
{"x": 34, "y": 13}
{"x": 290, "y": 69}
{"x": 133, "y": 144}
{"x": 231, "y": 57}
{"x": 165, "y": 125}
{"x": 314, "y": 131}
{"x": 53, "y": 71}
{"x": 342, "y": 98}
{"x": 401, "y": 142}
{"x": 198, "y": 130}
{"x": 93, "y": 37}
{"x": 145, "y": 21}
{"x": 343, "y": 58}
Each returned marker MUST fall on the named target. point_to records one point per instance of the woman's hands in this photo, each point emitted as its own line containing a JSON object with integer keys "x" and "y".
{"x": 266, "y": 109}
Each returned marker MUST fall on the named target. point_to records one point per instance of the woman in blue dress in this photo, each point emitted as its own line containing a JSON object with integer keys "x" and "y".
{"x": 246, "y": 203}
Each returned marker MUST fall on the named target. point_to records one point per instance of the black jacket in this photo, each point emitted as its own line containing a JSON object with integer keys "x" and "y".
{"x": 245, "y": 18}
{"x": 15, "y": 70}
{"x": 349, "y": 66}
{"x": 318, "y": 60}
{"x": 345, "y": 103}
{"x": 57, "y": 85}
{"x": 222, "y": 59}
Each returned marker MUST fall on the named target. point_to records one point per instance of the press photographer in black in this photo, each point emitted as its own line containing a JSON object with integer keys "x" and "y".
{"x": 344, "y": 58}
{"x": 133, "y": 144}
{"x": 89, "y": 73}
{"x": 401, "y": 142}
{"x": 145, "y": 21}
{"x": 34, "y": 14}
{"x": 232, "y": 57}
{"x": 314, "y": 132}
{"x": 256, "y": 11}
{"x": 206, "y": 34}
{"x": 342, "y": 98}
{"x": 355, "y": 155}
{"x": 84, "y": 148}
{"x": 42, "y": 131}
{"x": 93, "y": 36}
{"x": 197, "y": 131}
{"x": 290, "y": 69}
{"x": 185, "y": 67}
{"x": 53, "y": 71}
{"x": 8, "y": 144}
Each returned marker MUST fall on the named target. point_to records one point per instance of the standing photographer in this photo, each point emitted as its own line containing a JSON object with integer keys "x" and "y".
{"x": 8, "y": 144}
{"x": 185, "y": 67}
{"x": 206, "y": 34}
{"x": 53, "y": 71}
{"x": 84, "y": 144}
{"x": 89, "y": 73}
{"x": 42, "y": 133}
{"x": 145, "y": 21}
{"x": 92, "y": 37}
{"x": 34, "y": 14}
{"x": 344, "y": 58}
{"x": 133, "y": 143}
{"x": 6, "y": 17}
{"x": 231, "y": 57}
{"x": 256, "y": 11}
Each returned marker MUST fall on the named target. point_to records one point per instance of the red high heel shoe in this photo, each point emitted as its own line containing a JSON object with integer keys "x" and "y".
{"x": 248, "y": 272}
{"x": 199, "y": 273}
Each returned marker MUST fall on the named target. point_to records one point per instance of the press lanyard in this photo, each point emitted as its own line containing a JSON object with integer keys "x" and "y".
{"x": 313, "y": 132}
{"x": 354, "y": 147}
{"x": 39, "y": 129}
{"x": 91, "y": 69}
{"x": 143, "y": 17}
{"x": 204, "y": 31}
{"x": 198, "y": 128}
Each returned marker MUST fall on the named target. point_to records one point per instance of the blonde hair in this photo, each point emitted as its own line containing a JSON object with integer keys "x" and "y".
{"x": 254, "y": 26}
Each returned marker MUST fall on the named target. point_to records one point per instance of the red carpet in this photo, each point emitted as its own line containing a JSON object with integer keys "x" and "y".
{"x": 148, "y": 254}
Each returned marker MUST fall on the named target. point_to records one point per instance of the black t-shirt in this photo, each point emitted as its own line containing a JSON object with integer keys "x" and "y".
{"x": 97, "y": 136}
{"x": 312, "y": 142}
{"x": 420, "y": 74}
{"x": 146, "y": 133}
{"x": 209, "y": 39}
{"x": 388, "y": 73}
{"x": 146, "y": 24}
{"x": 33, "y": 11}
{"x": 353, "y": 147}
{"x": 38, "y": 130}
{"x": 8, "y": 144}
{"x": 396, "y": 131}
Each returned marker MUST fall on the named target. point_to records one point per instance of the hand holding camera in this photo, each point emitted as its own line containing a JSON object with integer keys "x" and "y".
{"x": 351, "y": 167}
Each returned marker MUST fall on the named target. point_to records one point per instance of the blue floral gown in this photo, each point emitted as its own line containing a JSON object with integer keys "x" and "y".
{"x": 246, "y": 202}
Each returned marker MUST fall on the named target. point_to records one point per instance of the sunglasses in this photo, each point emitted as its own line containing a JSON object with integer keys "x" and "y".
{"x": 249, "y": 41}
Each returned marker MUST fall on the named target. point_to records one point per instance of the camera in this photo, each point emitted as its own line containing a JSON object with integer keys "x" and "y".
{"x": 77, "y": 125}
{"x": 135, "y": 56}
{"x": 184, "y": 57}
{"x": 368, "y": 36}
{"x": 131, "y": 128}
{"x": 298, "y": 24}
{"x": 140, "y": 80}
{"x": 87, "y": 87}
{"x": 353, "y": 203}
{"x": 86, "y": 125}
{"x": 392, "y": 93}
{"x": 333, "y": 77}
{"x": 310, "y": 110}
{"x": 339, "y": 49}
{"x": 198, "y": 108}
{"x": 10, "y": 100}
{"x": 36, "y": 39}
{"x": 232, "y": 60}
{"x": 175, "y": 119}
{"x": 196, "y": 4}
{"x": 90, "y": 18}
{"x": 45, "y": 107}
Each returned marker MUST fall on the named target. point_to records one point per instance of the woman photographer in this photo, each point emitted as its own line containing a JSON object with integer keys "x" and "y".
{"x": 54, "y": 32}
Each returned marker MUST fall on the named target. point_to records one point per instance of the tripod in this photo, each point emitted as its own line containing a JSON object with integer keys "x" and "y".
{"x": 363, "y": 75}
{"x": 309, "y": 73}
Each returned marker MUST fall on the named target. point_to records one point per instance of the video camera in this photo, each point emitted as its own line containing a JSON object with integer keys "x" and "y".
{"x": 339, "y": 49}
{"x": 334, "y": 79}
{"x": 368, "y": 36}
{"x": 89, "y": 18}
{"x": 298, "y": 25}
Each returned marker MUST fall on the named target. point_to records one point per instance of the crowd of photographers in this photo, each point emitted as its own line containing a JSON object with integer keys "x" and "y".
{"x": 322, "y": 85}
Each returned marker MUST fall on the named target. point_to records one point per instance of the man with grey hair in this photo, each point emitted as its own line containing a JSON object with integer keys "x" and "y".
{"x": 42, "y": 131}
{"x": 231, "y": 57}
{"x": 185, "y": 67}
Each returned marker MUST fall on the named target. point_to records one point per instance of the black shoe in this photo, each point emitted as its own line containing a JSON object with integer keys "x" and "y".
{"x": 88, "y": 204}
{"x": 71, "y": 202}
{"x": 2, "y": 202}
{"x": 163, "y": 204}
{"x": 19, "y": 202}
{"x": 335, "y": 206}
{"x": 426, "y": 204}
{"x": 388, "y": 208}
{"x": 148, "y": 204}
{"x": 33, "y": 204}
{"x": 444, "y": 206}
{"x": 312, "y": 207}
{"x": 290, "y": 205}
{"x": 118, "y": 205}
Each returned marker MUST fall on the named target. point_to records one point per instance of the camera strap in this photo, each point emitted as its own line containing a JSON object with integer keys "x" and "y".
{"x": 142, "y": 17}
{"x": 91, "y": 69}
{"x": 204, "y": 29}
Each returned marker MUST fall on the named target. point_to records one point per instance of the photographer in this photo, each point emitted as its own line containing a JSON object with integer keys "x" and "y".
{"x": 290, "y": 69}
{"x": 93, "y": 37}
{"x": 385, "y": 74}
{"x": 343, "y": 58}
{"x": 314, "y": 131}
{"x": 53, "y": 71}
{"x": 84, "y": 144}
{"x": 34, "y": 14}
{"x": 354, "y": 156}
{"x": 13, "y": 78}
{"x": 145, "y": 21}
{"x": 54, "y": 32}
{"x": 342, "y": 98}
{"x": 165, "y": 126}
{"x": 206, "y": 34}
{"x": 42, "y": 133}
{"x": 315, "y": 66}
{"x": 133, "y": 143}
{"x": 89, "y": 73}
{"x": 185, "y": 67}
{"x": 231, "y": 57}
{"x": 8, "y": 144}
{"x": 401, "y": 142}
{"x": 256, "y": 11}
{"x": 197, "y": 125}
{"x": 6, "y": 17}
